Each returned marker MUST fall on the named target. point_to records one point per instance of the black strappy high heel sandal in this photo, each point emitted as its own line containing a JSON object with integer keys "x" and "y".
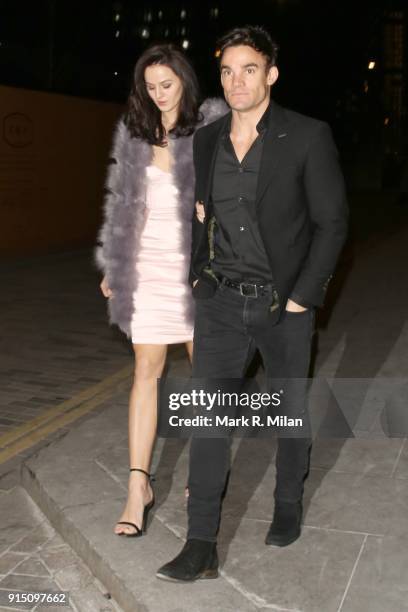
{"x": 139, "y": 531}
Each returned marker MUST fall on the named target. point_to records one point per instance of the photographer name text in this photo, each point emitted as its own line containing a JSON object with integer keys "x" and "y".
{"x": 242, "y": 421}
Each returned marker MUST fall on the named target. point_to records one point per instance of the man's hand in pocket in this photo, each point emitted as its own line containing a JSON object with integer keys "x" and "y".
{"x": 291, "y": 306}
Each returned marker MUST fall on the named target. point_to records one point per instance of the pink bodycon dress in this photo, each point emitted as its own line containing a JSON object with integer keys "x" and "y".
{"x": 163, "y": 306}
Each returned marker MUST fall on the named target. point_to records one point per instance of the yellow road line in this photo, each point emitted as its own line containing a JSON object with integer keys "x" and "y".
{"x": 64, "y": 419}
{"x": 66, "y": 412}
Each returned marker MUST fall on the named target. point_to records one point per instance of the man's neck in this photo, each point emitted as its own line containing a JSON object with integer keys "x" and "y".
{"x": 245, "y": 122}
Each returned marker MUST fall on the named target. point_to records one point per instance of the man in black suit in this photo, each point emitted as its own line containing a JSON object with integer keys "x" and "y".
{"x": 268, "y": 233}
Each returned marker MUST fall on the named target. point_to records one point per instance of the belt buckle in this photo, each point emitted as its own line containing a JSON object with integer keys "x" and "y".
{"x": 246, "y": 285}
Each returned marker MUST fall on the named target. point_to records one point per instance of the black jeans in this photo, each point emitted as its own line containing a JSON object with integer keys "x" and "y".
{"x": 228, "y": 329}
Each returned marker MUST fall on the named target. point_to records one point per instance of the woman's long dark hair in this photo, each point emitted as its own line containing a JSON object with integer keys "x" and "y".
{"x": 143, "y": 118}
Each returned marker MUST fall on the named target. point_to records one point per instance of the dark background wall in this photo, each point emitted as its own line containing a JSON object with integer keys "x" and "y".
{"x": 88, "y": 48}
{"x": 53, "y": 151}
{"x": 342, "y": 61}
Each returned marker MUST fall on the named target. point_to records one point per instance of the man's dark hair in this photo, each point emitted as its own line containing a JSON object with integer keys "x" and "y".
{"x": 252, "y": 36}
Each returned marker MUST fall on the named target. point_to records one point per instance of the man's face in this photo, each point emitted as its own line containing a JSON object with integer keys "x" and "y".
{"x": 244, "y": 77}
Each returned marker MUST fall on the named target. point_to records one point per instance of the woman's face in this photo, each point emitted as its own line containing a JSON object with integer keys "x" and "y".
{"x": 164, "y": 87}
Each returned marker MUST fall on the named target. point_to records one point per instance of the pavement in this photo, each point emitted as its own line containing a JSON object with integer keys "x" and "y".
{"x": 34, "y": 558}
{"x": 63, "y": 457}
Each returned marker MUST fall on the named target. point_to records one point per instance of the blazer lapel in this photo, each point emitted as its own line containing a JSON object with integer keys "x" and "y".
{"x": 275, "y": 137}
{"x": 211, "y": 154}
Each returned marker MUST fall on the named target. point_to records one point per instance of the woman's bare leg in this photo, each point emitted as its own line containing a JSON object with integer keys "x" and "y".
{"x": 149, "y": 363}
{"x": 189, "y": 347}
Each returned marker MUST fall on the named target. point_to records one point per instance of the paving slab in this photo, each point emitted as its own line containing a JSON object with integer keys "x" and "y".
{"x": 401, "y": 465}
{"x": 357, "y": 502}
{"x": 311, "y": 575}
{"x": 371, "y": 457}
{"x": 380, "y": 581}
{"x": 41, "y": 561}
{"x": 23, "y": 518}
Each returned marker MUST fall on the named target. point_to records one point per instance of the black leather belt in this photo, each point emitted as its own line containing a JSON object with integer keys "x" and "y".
{"x": 247, "y": 289}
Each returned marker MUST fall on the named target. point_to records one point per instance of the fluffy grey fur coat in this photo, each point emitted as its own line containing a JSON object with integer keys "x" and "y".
{"x": 124, "y": 208}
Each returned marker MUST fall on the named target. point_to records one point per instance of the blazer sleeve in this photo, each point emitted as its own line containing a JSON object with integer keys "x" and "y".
{"x": 114, "y": 195}
{"x": 328, "y": 211}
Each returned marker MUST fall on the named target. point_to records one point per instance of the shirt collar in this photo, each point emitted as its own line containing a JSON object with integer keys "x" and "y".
{"x": 261, "y": 126}
{"x": 263, "y": 123}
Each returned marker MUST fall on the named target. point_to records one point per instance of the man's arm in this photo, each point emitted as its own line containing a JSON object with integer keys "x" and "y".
{"x": 328, "y": 210}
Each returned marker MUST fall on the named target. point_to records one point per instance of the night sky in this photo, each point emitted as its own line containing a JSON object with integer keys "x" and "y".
{"x": 76, "y": 47}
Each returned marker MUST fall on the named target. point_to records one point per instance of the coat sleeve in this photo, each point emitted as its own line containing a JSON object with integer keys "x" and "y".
{"x": 328, "y": 211}
{"x": 198, "y": 227}
{"x": 212, "y": 109}
{"x": 114, "y": 195}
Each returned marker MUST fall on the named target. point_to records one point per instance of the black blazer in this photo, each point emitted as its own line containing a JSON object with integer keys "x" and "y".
{"x": 300, "y": 203}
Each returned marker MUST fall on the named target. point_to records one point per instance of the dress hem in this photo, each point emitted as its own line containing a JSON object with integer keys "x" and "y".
{"x": 147, "y": 341}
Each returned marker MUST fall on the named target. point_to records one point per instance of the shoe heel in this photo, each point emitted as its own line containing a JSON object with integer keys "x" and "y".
{"x": 146, "y": 515}
{"x": 209, "y": 573}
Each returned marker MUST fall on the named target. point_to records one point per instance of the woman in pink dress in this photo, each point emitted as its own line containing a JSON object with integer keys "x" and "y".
{"x": 145, "y": 242}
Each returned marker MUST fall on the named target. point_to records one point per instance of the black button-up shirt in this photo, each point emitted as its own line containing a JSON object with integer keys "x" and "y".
{"x": 239, "y": 253}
